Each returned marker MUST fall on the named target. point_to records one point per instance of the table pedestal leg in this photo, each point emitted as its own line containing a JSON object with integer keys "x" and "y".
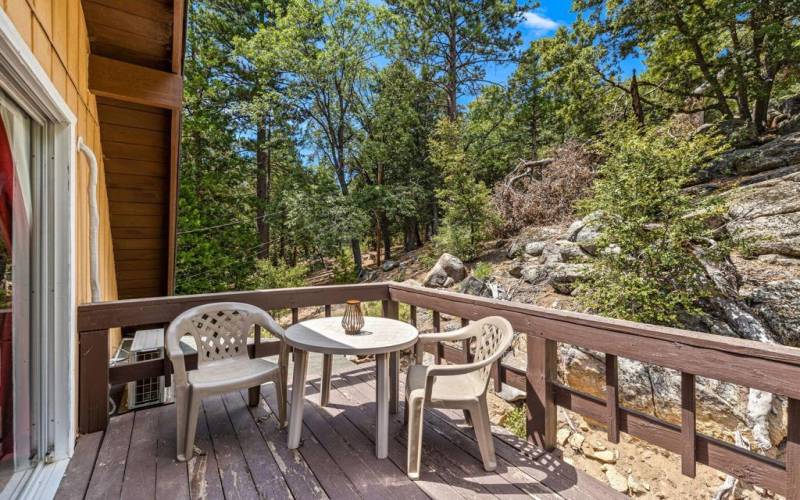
{"x": 382, "y": 399}
{"x": 394, "y": 377}
{"x": 327, "y": 364}
{"x": 298, "y": 395}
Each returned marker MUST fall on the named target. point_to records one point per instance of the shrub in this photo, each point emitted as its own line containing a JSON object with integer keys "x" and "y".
{"x": 466, "y": 202}
{"x": 652, "y": 224}
{"x": 268, "y": 275}
{"x": 541, "y": 195}
{"x": 482, "y": 270}
{"x": 343, "y": 268}
{"x": 515, "y": 421}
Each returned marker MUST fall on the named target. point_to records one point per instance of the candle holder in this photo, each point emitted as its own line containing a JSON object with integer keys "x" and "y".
{"x": 353, "y": 319}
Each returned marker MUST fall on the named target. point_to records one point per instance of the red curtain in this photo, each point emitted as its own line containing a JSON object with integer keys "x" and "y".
{"x": 6, "y": 199}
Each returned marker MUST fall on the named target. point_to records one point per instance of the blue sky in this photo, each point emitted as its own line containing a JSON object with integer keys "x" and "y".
{"x": 543, "y": 22}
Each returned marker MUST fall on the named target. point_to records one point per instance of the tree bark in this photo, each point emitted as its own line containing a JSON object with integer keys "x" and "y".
{"x": 451, "y": 87}
{"x": 263, "y": 180}
{"x": 702, "y": 63}
{"x": 386, "y": 235}
{"x": 355, "y": 244}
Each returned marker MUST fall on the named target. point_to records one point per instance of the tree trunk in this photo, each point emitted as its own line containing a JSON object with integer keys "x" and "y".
{"x": 387, "y": 237}
{"x": 534, "y": 132}
{"x": 702, "y": 63}
{"x": 263, "y": 180}
{"x": 636, "y": 101}
{"x": 738, "y": 70}
{"x": 356, "y": 247}
{"x": 355, "y": 244}
{"x": 451, "y": 87}
{"x": 761, "y": 107}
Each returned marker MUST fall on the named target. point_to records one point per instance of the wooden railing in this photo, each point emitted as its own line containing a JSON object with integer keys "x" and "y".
{"x": 771, "y": 368}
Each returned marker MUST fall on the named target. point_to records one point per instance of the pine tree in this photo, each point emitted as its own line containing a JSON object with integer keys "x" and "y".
{"x": 468, "y": 215}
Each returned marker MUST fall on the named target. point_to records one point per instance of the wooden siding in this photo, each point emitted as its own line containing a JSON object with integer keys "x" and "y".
{"x": 139, "y": 32}
{"x": 136, "y": 148}
{"x": 56, "y": 32}
{"x": 135, "y": 71}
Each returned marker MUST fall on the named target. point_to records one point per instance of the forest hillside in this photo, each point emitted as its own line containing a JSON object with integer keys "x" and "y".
{"x": 640, "y": 160}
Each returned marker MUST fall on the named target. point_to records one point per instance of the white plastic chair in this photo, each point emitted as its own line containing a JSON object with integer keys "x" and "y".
{"x": 220, "y": 333}
{"x": 454, "y": 386}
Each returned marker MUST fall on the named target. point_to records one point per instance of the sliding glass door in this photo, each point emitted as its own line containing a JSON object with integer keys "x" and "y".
{"x": 20, "y": 150}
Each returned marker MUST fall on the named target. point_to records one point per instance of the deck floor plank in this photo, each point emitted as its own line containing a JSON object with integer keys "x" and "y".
{"x": 388, "y": 474}
{"x": 202, "y": 469}
{"x": 266, "y": 474}
{"x": 243, "y": 454}
{"x": 327, "y": 470}
{"x": 430, "y": 481}
{"x": 140, "y": 472}
{"x": 233, "y": 470}
{"x": 109, "y": 469}
{"x": 296, "y": 472}
{"x": 458, "y": 467}
{"x": 79, "y": 471}
{"x": 172, "y": 477}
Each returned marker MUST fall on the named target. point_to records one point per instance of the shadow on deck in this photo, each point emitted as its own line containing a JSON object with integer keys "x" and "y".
{"x": 244, "y": 455}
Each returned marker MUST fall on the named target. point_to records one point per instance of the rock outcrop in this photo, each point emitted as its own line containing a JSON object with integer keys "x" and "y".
{"x": 447, "y": 271}
{"x": 765, "y": 217}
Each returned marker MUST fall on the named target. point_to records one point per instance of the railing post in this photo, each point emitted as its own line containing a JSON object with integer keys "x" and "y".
{"x": 612, "y": 398}
{"x": 466, "y": 344}
{"x": 688, "y": 426}
{"x": 93, "y": 381}
{"x": 793, "y": 451}
{"x": 540, "y": 401}
{"x": 391, "y": 309}
{"x": 254, "y": 393}
{"x": 437, "y": 327}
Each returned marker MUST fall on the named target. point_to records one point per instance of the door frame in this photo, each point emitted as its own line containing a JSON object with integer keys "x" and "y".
{"x": 24, "y": 80}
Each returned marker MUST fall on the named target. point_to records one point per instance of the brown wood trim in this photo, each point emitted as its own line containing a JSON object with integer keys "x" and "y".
{"x": 174, "y": 179}
{"x": 133, "y": 312}
{"x": 134, "y": 83}
{"x": 705, "y": 354}
{"x": 93, "y": 374}
{"x": 437, "y": 327}
{"x": 688, "y": 425}
{"x": 524, "y": 318}
{"x": 612, "y": 398}
{"x": 178, "y": 16}
{"x": 541, "y": 403}
{"x": 719, "y": 455}
{"x": 793, "y": 451}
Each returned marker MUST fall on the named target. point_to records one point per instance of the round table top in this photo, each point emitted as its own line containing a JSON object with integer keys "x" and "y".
{"x": 326, "y": 335}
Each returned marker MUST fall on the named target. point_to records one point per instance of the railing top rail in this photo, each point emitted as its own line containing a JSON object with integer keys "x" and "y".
{"x": 134, "y": 312}
{"x": 526, "y": 315}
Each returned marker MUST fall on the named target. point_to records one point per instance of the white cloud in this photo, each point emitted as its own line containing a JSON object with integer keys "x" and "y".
{"x": 539, "y": 24}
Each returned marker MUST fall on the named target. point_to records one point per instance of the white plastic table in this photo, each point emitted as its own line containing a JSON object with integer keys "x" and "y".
{"x": 380, "y": 336}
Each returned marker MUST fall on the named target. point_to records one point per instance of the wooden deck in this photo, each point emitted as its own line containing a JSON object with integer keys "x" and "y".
{"x": 245, "y": 455}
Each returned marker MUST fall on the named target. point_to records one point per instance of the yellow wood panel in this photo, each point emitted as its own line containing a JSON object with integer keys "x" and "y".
{"x": 55, "y": 30}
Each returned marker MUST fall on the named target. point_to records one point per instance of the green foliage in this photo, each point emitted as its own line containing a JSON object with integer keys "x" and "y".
{"x": 482, "y": 270}
{"x": 343, "y": 269}
{"x": 648, "y": 269}
{"x": 455, "y": 40}
{"x": 268, "y": 276}
{"x": 466, "y": 202}
{"x": 515, "y": 421}
{"x": 722, "y": 55}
